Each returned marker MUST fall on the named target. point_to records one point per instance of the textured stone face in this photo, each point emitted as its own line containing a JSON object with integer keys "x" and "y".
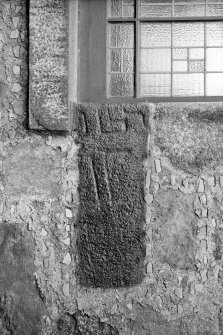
{"x": 111, "y": 215}
{"x": 49, "y": 65}
{"x": 20, "y": 305}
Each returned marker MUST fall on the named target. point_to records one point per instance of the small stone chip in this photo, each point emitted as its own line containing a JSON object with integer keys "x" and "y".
{"x": 203, "y": 274}
{"x": 16, "y": 88}
{"x": 149, "y": 198}
{"x": 69, "y": 213}
{"x": 66, "y": 289}
{"x": 211, "y": 181}
{"x": 43, "y": 232}
{"x": 149, "y": 268}
{"x": 204, "y": 212}
{"x": 46, "y": 263}
{"x": 14, "y": 34}
{"x": 179, "y": 309}
{"x": 221, "y": 181}
{"x": 15, "y": 21}
{"x": 158, "y": 165}
{"x": 149, "y": 250}
{"x": 173, "y": 180}
{"x": 19, "y": 108}
{"x": 16, "y": 51}
{"x": 66, "y": 241}
{"x": 67, "y": 259}
{"x": 200, "y": 186}
{"x": 17, "y": 9}
{"x": 16, "y": 69}
{"x": 179, "y": 292}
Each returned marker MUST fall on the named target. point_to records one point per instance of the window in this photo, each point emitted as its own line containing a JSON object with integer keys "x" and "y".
{"x": 149, "y": 49}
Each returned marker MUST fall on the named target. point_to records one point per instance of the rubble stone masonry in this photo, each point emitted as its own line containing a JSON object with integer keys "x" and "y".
{"x": 179, "y": 288}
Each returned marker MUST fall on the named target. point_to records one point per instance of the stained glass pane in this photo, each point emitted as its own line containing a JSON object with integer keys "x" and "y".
{"x": 148, "y": 2}
{"x": 214, "y": 84}
{"x": 121, "y": 85}
{"x": 156, "y": 11}
{"x": 214, "y": 59}
{"x": 128, "y": 60}
{"x": 192, "y": 10}
{"x": 155, "y": 34}
{"x": 196, "y": 53}
{"x": 115, "y": 8}
{"x": 179, "y": 66}
{"x": 189, "y": 84}
{"x": 188, "y": 34}
{"x": 180, "y": 53}
{"x": 215, "y": 10}
{"x": 122, "y": 35}
{"x": 155, "y": 60}
{"x": 115, "y": 59}
{"x": 214, "y": 32}
{"x": 157, "y": 85}
{"x": 196, "y": 66}
{"x": 121, "y": 8}
{"x": 189, "y": 1}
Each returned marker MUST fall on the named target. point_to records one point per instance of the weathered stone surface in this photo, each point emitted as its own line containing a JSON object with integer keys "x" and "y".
{"x": 190, "y": 134}
{"x": 31, "y": 170}
{"x": 21, "y": 308}
{"x": 174, "y": 228}
{"x": 49, "y": 65}
{"x": 111, "y": 216}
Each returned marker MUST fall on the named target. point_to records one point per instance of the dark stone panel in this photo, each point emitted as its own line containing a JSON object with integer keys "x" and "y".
{"x": 48, "y": 61}
{"x": 111, "y": 216}
{"x": 21, "y": 307}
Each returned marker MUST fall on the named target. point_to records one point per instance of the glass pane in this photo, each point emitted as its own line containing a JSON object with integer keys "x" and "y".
{"x": 192, "y": 10}
{"x": 155, "y": 34}
{"x": 128, "y": 11}
{"x": 128, "y": 60}
{"x": 215, "y": 10}
{"x": 214, "y": 59}
{"x": 191, "y": 84}
{"x": 214, "y": 33}
{"x": 214, "y": 84}
{"x": 196, "y": 66}
{"x": 156, "y": 11}
{"x": 155, "y": 60}
{"x": 115, "y": 8}
{"x": 180, "y": 53}
{"x": 189, "y": 1}
{"x": 179, "y": 66}
{"x": 148, "y": 2}
{"x": 188, "y": 34}
{"x": 157, "y": 85}
{"x": 122, "y": 35}
{"x": 115, "y": 59}
{"x": 197, "y": 53}
{"x": 121, "y": 85}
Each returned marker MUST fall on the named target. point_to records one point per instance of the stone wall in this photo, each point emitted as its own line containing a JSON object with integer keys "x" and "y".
{"x": 182, "y": 288}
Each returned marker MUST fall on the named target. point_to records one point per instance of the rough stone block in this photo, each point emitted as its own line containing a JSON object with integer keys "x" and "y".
{"x": 190, "y": 134}
{"x": 21, "y": 307}
{"x": 49, "y": 65}
{"x": 113, "y": 145}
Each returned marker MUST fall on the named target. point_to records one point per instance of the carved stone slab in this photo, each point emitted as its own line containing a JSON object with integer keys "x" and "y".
{"x": 111, "y": 216}
{"x": 48, "y": 59}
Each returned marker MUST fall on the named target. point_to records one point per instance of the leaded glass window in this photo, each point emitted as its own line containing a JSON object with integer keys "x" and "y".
{"x": 161, "y": 48}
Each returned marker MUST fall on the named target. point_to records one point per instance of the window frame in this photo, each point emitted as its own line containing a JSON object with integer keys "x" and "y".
{"x": 137, "y": 20}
